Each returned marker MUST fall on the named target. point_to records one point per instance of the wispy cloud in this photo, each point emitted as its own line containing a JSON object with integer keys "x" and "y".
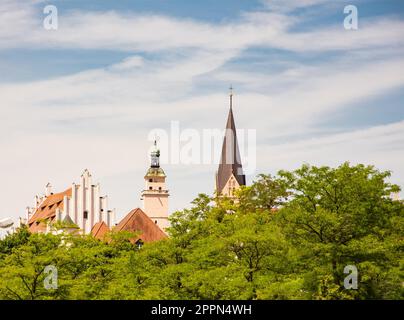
{"x": 100, "y": 118}
{"x": 132, "y": 32}
{"x": 379, "y": 145}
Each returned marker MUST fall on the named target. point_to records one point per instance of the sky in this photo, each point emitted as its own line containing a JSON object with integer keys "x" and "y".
{"x": 89, "y": 94}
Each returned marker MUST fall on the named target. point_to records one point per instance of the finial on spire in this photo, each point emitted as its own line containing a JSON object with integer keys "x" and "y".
{"x": 231, "y": 96}
{"x": 156, "y": 139}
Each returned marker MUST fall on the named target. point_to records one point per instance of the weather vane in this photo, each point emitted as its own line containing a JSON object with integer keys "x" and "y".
{"x": 156, "y": 139}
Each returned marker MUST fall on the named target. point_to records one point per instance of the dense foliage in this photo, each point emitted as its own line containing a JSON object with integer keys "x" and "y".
{"x": 286, "y": 237}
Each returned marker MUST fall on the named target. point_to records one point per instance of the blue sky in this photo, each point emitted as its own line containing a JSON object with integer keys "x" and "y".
{"x": 88, "y": 94}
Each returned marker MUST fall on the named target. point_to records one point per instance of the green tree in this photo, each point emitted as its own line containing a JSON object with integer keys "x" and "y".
{"x": 14, "y": 240}
{"x": 287, "y": 236}
{"x": 345, "y": 216}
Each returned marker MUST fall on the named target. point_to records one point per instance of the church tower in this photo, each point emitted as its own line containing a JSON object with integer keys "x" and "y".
{"x": 155, "y": 195}
{"x": 229, "y": 176}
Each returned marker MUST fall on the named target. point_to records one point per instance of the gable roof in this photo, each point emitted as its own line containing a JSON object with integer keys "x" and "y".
{"x": 47, "y": 210}
{"x": 99, "y": 230}
{"x": 138, "y": 221}
{"x": 230, "y": 160}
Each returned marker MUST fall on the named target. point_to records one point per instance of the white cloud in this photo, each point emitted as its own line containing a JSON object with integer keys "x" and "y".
{"x": 109, "y": 113}
{"x": 52, "y": 129}
{"x": 132, "y": 32}
{"x": 128, "y": 63}
{"x": 379, "y": 145}
{"x": 372, "y": 33}
{"x": 290, "y": 5}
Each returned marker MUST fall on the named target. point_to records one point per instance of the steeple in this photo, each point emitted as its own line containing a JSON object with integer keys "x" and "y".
{"x": 155, "y": 195}
{"x": 230, "y": 173}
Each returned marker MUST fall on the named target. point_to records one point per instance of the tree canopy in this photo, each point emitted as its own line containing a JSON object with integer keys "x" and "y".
{"x": 288, "y": 236}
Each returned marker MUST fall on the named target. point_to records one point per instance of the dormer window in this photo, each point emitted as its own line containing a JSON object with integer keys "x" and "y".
{"x": 150, "y": 188}
{"x": 139, "y": 244}
{"x": 150, "y": 180}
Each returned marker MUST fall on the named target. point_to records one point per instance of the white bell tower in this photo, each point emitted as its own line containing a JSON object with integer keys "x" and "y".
{"x": 155, "y": 195}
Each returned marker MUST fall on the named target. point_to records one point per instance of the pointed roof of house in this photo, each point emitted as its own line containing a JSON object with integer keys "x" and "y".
{"x": 99, "y": 230}
{"x": 139, "y": 222}
{"x": 230, "y": 161}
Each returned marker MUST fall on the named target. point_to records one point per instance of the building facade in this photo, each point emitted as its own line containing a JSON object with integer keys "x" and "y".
{"x": 82, "y": 209}
{"x": 81, "y": 205}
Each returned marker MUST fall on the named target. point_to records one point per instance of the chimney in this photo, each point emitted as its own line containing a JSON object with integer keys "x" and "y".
{"x": 48, "y": 190}
{"x": 109, "y": 222}
{"x": 28, "y": 213}
{"x": 59, "y": 215}
{"x": 86, "y": 179}
{"x": 36, "y": 202}
{"x": 112, "y": 215}
{"x": 21, "y": 222}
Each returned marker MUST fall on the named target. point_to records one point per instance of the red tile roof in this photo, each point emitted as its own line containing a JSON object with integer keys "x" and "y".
{"x": 47, "y": 210}
{"x": 99, "y": 230}
{"x": 138, "y": 221}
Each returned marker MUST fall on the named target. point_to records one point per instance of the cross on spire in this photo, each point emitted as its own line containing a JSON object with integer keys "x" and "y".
{"x": 156, "y": 139}
{"x": 231, "y": 96}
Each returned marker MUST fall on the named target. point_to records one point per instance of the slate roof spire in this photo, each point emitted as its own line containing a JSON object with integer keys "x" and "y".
{"x": 230, "y": 160}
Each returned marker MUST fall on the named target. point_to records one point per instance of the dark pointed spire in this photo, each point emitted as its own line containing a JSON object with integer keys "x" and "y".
{"x": 230, "y": 161}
